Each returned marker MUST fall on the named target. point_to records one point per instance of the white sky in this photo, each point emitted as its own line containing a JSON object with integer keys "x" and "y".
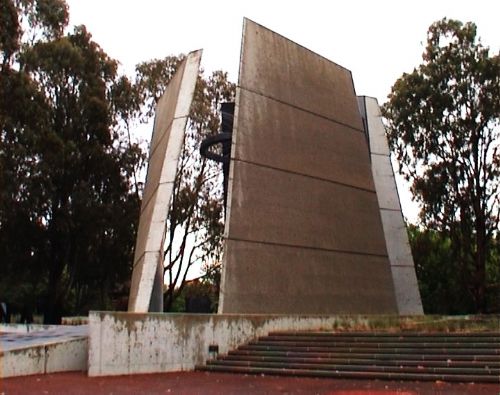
{"x": 376, "y": 40}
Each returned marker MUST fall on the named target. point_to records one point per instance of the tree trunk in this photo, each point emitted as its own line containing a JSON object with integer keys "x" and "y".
{"x": 480, "y": 270}
{"x": 52, "y": 313}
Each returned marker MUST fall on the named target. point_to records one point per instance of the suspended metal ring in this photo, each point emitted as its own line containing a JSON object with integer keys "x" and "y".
{"x": 210, "y": 141}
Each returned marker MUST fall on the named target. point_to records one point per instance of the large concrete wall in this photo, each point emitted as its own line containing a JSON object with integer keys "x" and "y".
{"x": 303, "y": 229}
{"x": 398, "y": 248}
{"x": 151, "y": 343}
{"x": 172, "y": 111}
{"x": 131, "y": 343}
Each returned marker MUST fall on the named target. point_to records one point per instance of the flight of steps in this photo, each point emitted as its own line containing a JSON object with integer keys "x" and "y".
{"x": 473, "y": 357}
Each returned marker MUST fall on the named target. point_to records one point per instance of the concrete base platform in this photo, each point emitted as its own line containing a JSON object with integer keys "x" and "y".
{"x": 132, "y": 343}
{"x": 40, "y": 349}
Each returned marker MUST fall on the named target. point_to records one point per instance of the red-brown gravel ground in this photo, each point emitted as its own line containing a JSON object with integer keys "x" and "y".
{"x": 221, "y": 383}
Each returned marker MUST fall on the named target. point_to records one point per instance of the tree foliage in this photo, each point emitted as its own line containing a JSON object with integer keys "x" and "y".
{"x": 444, "y": 127}
{"x": 67, "y": 207}
{"x": 439, "y": 282}
{"x": 70, "y": 174}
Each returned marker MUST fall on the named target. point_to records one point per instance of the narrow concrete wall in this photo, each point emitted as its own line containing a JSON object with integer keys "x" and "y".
{"x": 171, "y": 117}
{"x": 396, "y": 237}
{"x": 126, "y": 343}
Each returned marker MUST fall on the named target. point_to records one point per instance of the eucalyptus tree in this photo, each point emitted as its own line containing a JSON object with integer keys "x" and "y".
{"x": 444, "y": 128}
{"x": 67, "y": 207}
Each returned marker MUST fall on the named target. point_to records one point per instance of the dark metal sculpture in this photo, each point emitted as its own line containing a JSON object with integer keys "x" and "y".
{"x": 224, "y": 138}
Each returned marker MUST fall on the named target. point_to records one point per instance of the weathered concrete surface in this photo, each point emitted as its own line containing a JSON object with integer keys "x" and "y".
{"x": 153, "y": 343}
{"x": 166, "y": 143}
{"x": 276, "y": 269}
{"x": 301, "y": 193}
{"x": 280, "y": 69}
{"x": 396, "y": 237}
{"x": 277, "y": 135}
{"x": 149, "y": 343}
{"x": 293, "y": 210}
{"x": 44, "y": 350}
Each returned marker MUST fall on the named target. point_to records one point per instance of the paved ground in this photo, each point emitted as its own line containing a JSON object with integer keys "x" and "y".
{"x": 221, "y": 383}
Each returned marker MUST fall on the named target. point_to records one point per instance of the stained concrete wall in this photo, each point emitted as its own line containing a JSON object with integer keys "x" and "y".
{"x": 130, "y": 343}
{"x": 303, "y": 230}
{"x": 172, "y": 111}
{"x": 396, "y": 237}
{"x": 151, "y": 343}
{"x": 44, "y": 349}
{"x": 49, "y": 358}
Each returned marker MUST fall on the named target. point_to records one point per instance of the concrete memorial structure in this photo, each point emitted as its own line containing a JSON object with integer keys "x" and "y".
{"x": 314, "y": 224}
{"x": 398, "y": 248}
{"x": 303, "y": 232}
{"x": 172, "y": 111}
{"x": 314, "y": 233}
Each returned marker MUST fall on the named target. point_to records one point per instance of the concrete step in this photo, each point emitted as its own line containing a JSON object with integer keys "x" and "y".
{"x": 365, "y": 361}
{"x": 386, "y": 339}
{"x": 360, "y": 368}
{"x": 356, "y": 349}
{"x": 375, "y": 344}
{"x": 352, "y": 374}
{"x": 381, "y": 335}
{"x": 395, "y": 356}
{"x": 378, "y": 356}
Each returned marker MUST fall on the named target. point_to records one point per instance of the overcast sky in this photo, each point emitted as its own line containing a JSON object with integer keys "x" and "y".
{"x": 376, "y": 40}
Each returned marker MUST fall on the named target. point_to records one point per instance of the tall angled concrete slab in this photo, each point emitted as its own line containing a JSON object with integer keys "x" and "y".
{"x": 303, "y": 229}
{"x": 396, "y": 237}
{"x": 172, "y": 111}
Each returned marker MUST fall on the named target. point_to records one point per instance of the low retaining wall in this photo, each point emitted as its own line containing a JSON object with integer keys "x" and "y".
{"x": 130, "y": 343}
{"x": 45, "y": 358}
{"x": 39, "y": 349}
